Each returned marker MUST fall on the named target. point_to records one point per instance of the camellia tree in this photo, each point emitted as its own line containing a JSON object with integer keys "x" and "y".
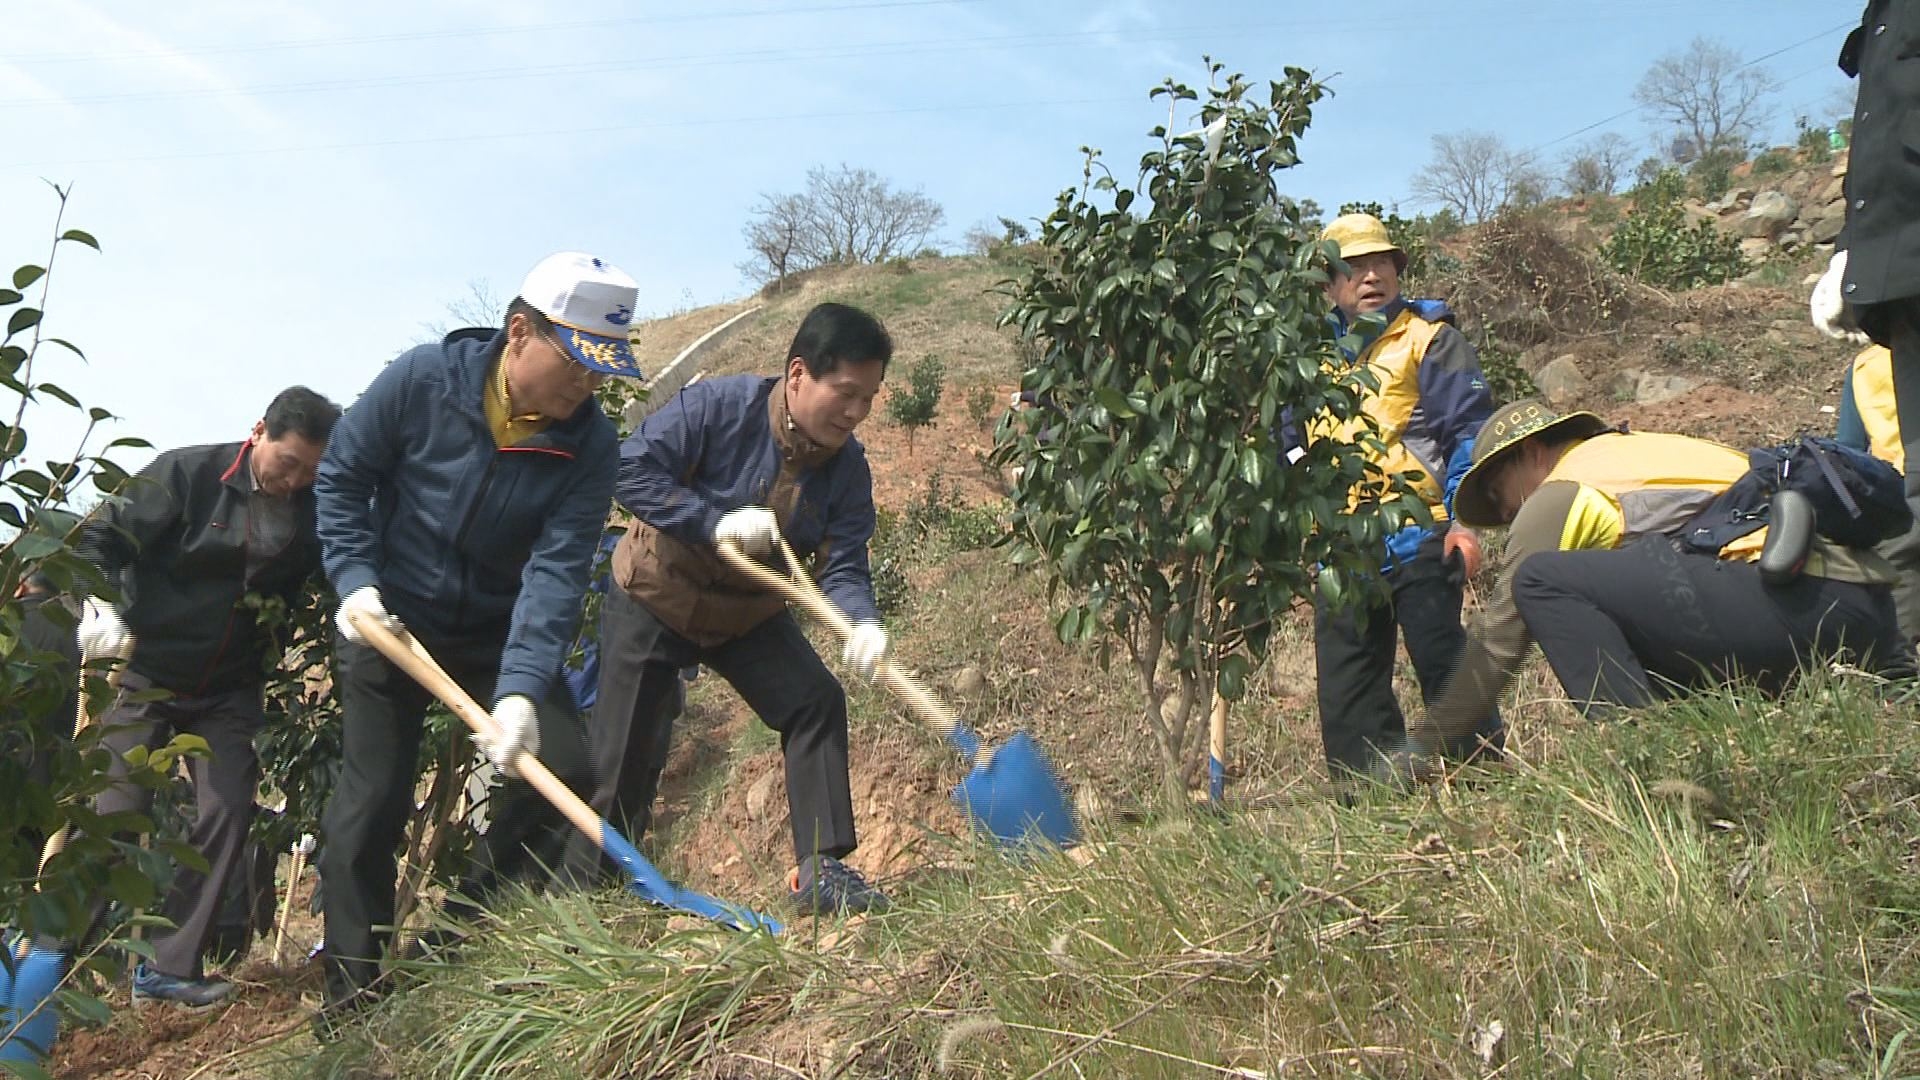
{"x": 1178, "y": 327}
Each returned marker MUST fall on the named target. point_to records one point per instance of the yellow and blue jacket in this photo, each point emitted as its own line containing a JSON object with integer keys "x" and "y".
{"x": 1430, "y": 402}
{"x": 1868, "y": 419}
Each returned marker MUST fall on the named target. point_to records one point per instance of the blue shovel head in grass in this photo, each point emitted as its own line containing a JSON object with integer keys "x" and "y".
{"x": 26, "y": 985}
{"x": 646, "y": 882}
{"x": 1014, "y": 794}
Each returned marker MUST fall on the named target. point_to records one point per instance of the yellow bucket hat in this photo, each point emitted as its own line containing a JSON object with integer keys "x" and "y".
{"x": 1362, "y": 234}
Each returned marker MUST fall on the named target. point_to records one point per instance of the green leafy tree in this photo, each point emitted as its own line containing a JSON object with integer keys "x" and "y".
{"x": 1171, "y": 328}
{"x": 39, "y": 507}
{"x": 916, "y": 406}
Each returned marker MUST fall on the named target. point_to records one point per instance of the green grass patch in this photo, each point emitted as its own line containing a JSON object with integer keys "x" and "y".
{"x": 1721, "y": 887}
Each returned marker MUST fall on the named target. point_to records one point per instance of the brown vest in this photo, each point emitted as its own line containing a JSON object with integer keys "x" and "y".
{"x": 690, "y": 588}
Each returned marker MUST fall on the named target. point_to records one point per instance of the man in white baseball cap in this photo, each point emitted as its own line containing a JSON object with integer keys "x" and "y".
{"x": 463, "y": 496}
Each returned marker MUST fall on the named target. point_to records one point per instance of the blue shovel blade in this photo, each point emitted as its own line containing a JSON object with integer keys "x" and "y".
{"x": 1017, "y": 797}
{"x": 646, "y": 882}
{"x": 29, "y": 982}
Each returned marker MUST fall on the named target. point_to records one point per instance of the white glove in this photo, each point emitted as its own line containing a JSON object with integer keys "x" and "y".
{"x": 1832, "y": 315}
{"x": 865, "y": 646}
{"x": 519, "y": 729}
{"x": 366, "y": 601}
{"x": 102, "y": 631}
{"x": 752, "y": 528}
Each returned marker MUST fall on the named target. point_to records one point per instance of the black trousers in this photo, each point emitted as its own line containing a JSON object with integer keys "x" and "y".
{"x": 1897, "y": 323}
{"x": 366, "y": 817}
{"x": 223, "y": 785}
{"x": 1622, "y": 628}
{"x": 774, "y": 669}
{"x": 1353, "y": 651}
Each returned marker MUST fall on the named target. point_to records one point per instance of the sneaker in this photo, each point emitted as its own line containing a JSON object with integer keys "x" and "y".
{"x": 153, "y": 985}
{"x": 826, "y": 886}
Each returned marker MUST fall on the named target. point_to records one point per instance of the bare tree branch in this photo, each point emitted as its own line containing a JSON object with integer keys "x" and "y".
{"x": 480, "y": 307}
{"x": 845, "y": 215}
{"x": 1474, "y": 174}
{"x": 1708, "y": 95}
{"x": 1597, "y": 166}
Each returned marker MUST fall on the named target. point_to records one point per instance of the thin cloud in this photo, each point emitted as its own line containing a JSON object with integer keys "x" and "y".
{"x": 97, "y": 26}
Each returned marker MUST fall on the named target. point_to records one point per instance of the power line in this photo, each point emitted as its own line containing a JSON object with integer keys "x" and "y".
{"x": 1529, "y": 154}
{"x": 480, "y": 31}
{"x": 1025, "y": 103}
{"x": 910, "y": 47}
{"x": 1619, "y": 9}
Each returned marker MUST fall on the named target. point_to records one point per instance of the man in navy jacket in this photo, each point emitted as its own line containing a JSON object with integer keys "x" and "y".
{"x": 462, "y": 497}
{"x": 741, "y": 459}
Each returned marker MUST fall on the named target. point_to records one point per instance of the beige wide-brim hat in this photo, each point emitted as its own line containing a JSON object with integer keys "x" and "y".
{"x": 1505, "y": 430}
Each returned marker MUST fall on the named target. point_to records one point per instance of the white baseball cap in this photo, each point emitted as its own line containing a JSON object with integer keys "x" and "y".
{"x": 589, "y": 301}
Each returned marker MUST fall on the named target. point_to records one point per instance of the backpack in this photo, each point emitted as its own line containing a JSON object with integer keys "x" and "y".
{"x": 1857, "y": 499}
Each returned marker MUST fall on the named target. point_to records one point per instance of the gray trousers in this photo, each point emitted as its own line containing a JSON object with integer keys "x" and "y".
{"x": 223, "y": 786}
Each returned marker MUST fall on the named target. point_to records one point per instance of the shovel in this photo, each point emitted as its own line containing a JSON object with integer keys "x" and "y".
{"x": 31, "y": 973}
{"x": 643, "y": 879}
{"x": 1011, "y": 792}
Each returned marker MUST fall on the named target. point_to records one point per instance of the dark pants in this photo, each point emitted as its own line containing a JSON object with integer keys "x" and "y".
{"x": 223, "y": 785}
{"x": 1621, "y": 628}
{"x": 774, "y": 669}
{"x": 366, "y": 817}
{"x": 1353, "y": 651}
{"x": 1897, "y": 324}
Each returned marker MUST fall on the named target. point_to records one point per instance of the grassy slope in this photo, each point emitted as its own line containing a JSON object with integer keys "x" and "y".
{"x": 1722, "y": 889}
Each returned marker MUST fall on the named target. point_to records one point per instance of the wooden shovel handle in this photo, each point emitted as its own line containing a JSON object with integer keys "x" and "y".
{"x": 411, "y": 657}
{"x": 801, "y": 589}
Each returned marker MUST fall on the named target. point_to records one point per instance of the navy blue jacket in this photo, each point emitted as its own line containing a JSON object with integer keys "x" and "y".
{"x": 711, "y": 450}
{"x": 465, "y": 539}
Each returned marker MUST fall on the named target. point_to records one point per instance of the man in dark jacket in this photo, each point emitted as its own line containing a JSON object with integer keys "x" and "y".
{"x": 197, "y": 531}
{"x": 462, "y": 497}
{"x": 1872, "y": 285}
{"x": 742, "y": 459}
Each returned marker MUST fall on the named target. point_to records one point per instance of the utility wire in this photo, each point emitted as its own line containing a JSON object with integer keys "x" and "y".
{"x": 1025, "y": 103}
{"x": 24, "y": 59}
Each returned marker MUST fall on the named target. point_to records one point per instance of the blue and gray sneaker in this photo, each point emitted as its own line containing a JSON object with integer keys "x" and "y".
{"x": 150, "y": 984}
{"x": 826, "y": 886}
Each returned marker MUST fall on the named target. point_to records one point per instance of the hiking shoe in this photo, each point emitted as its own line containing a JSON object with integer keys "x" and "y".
{"x": 152, "y": 985}
{"x": 827, "y": 886}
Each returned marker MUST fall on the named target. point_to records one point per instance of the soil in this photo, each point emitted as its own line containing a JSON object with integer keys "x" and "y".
{"x": 164, "y": 1042}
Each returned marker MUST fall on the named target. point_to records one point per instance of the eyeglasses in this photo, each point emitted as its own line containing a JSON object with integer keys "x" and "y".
{"x": 581, "y": 373}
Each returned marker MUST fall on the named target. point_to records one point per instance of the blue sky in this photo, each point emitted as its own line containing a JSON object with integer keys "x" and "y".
{"x": 287, "y": 192}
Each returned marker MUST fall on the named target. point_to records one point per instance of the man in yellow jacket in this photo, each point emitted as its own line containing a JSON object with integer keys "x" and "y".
{"x": 1428, "y": 401}
{"x": 1869, "y": 421}
{"x": 1623, "y": 612}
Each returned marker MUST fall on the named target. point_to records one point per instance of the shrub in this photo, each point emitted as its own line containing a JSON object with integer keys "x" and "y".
{"x": 914, "y": 407}
{"x": 980, "y": 403}
{"x": 1815, "y": 141}
{"x": 1658, "y": 245}
{"x": 1500, "y": 364}
{"x": 1773, "y": 163}
{"x": 1712, "y": 172}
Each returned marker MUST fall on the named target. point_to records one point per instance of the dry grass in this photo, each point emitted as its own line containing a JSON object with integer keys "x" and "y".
{"x": 941, "y": 307}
